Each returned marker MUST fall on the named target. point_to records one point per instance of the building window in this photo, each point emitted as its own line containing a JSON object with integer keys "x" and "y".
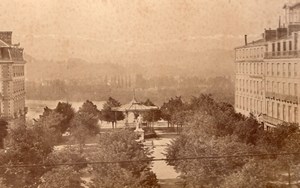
{"x": 295, "y": 69}
{"x": 273, "y": 47}
{"x": 283, "y": 69}
{"x": 244, "y": 85}
{"x": 261, "y": 83}
{"x": 283, "y": 112}
{"x": 290, "y": 45}
{"x": 289, "y": 114}
{"x": 268, "y": 107}
{"x": 278, "y": 111}
{"x": 273, "y": 114}
{"x": 278, "y": 69}
{"x": 256, "y": 87}
{"x": 278, "y": 47}
{"x": 296, "y": 114}
{"x": 289, "y": 69}
{"x": 284, "y": 46}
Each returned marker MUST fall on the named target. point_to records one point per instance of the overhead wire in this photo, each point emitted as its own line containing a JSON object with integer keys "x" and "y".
{"x": 149, "y": 160}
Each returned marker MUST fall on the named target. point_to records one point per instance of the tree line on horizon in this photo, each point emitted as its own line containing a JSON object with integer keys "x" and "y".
{"x": 221, "y": 88}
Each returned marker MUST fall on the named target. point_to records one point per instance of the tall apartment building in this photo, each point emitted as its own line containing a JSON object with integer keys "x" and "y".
{"x": 12, "y": 79}
{"x": 268, "y": 74}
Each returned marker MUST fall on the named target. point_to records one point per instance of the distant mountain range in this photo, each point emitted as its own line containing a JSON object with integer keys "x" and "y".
{"x": 206, "y": 63}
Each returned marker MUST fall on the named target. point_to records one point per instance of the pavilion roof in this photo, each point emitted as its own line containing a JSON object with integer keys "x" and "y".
{"x": 134, "y": 106}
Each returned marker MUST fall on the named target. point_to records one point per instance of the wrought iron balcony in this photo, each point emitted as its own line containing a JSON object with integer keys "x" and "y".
{"x": 282, "y": 97}
{"x": 282, "y": 54}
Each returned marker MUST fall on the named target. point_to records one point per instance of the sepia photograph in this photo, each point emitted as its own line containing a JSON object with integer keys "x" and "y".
{"x": 149, "y": 94}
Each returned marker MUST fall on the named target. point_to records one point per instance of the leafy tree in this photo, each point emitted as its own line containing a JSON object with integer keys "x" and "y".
{"x": 46, "y": 111}
{"x": 213, "y": 128}
{"x": 26, "y": 146}
{"x": 51, "y": 123}
{"x": 170, "y": 108}
{"x": 279, "y": 138}
{"x": 63, "y": 176}
{"x": 107, "y": 114}
{"x": 3, "y": 132}
{"x": 66, "y": 110}
{"x": 89, "y": 107}
{"x": 83, "y": 126}
{"x": 153, "y": 115}
{"x": 254, "y": 174}
{"x": 206, "y": 172}
{"x": 120, "y": 146}
{"x": 148, "y": 102}
{"x": 85, "y": 123}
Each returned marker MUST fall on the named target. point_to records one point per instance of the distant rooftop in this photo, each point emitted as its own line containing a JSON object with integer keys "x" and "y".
{"x": 291, "y": 5}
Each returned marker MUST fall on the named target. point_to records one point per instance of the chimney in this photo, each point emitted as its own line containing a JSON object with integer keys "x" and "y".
{"x": 6, "y": 36}
{"x": 279, "y": 24}
{"x": 246, "y": 42}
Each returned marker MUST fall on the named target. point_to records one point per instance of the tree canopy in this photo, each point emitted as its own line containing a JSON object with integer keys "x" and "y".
{"x": 3, "y": 132}
{"x": 85, "y": 123}
{"x": 66, "y": 110}
{"x": 107, "y": 114}
{"x": 169, "y": 108}
{"x": 214, "y": 129}
{"x": 119, "y": 146}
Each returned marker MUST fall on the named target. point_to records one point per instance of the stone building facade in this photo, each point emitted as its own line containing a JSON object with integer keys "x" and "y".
{"x": 12, "y": 78}
{"x": 268, "y": 74}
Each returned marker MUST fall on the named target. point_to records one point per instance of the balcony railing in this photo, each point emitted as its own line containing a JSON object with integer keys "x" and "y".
{"x": 283, "y": 54}
{"x": 282, "y": 97}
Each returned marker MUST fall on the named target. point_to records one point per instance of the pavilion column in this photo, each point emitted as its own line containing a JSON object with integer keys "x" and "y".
{"x": 115, "y": 120}
{"x": 126, "y": 118}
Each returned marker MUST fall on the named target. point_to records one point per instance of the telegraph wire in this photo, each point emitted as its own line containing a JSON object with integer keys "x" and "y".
{"x": 149, "y": 160}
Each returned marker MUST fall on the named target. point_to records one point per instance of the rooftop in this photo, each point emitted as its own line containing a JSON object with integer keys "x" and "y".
{"x": 291, "y": 5}
{"x": 258, "y": 42}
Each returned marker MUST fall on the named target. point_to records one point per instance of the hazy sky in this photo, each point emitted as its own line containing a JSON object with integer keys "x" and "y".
{"x": 93, "y": 29}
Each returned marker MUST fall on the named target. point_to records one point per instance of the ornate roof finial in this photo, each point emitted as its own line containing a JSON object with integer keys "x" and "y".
{"x": 134, "y": 98}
